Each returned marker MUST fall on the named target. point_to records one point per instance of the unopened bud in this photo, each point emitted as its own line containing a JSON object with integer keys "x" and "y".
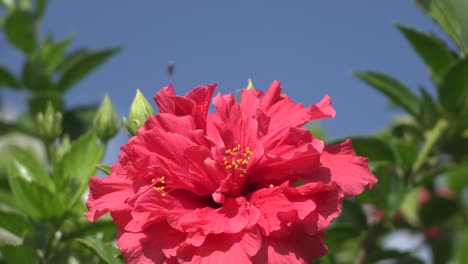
{"x": 105, "y": 122}
{"x": 49, "y": 123}
{"x": 250, "y": 85}
{"x": 140, "y": 111}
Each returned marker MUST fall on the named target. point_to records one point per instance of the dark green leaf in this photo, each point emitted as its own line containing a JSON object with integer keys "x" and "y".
{"x": 19, "y": 29}
{"x": 388, "y": 194}
{"x": 78, "y": 120}
{"x": 34, "y": 75}
{"x": 438, "y": 210}
{"x": 397, "y": 92}
{"x": 453, "y": 92}
{"x": 40, "y": 8}
{"x": 86, "y": 63}
{"x": 406, "y": 153}
{"x": 19, "y": 254}
{"x": 432, "y": 50}
{"x": 7, "y": 79}
{"x": 107, "y": 252}
{"x": 457, "y": 177}
{"x": 352, "y": 214}
{"x": 429, "y": 112}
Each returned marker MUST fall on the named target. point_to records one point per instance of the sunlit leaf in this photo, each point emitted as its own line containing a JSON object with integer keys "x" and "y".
{"x": 108, "y": 253}
{"x": 84, "y": 64}
{"x": 397, "y": 92}
{"x": 431, "y": 49}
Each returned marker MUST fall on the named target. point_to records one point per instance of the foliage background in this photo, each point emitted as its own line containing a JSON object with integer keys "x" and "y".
{"x": 420, "y": 159}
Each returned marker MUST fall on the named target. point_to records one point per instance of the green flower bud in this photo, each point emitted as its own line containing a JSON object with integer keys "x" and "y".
{"x": 49, "y": 123}
{"x": 250, "y": 85}
{"x": 140, "y": 111}
{"x": 105, "y": 123}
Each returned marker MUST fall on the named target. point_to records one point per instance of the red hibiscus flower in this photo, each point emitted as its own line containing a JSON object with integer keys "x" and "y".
{"x": 196, "y": 187}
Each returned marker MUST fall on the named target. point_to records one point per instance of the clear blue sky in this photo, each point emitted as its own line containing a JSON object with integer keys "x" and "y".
{"x": 310, "y": 46}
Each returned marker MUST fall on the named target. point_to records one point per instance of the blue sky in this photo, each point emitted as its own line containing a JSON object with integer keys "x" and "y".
{"x": 310, "y": 46}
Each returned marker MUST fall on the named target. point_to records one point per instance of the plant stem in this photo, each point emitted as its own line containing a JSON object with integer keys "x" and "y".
{"x": 368, "y": 244}
{"x": 431, "y": 138}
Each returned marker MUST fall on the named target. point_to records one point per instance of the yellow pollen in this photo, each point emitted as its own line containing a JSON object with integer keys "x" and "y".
{"x": 160, "y": 188}
{"x": 153, "y": 180}
{"x": 163, "y": 194}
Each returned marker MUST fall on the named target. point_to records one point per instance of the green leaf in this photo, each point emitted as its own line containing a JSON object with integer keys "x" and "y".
{"x": 19, "y": 29}
{"x": 30, "y": 169}
{"x": 437, "y": 211}
{"x": 52, "y": 54}
{"x": 453, "y": 92}
{"x": 19, "y": 254}
{"x": 33, "y": 198}
{"x": 40, "y": 8}
{"x": 34, "y": 75}
{"x": 432, "y": 50}
{"x": 79, "y": 164}
{"x": 406, "y": 153}
{"x": 429, "y": 112}
{"x": 83, "y": 65}
{"x": 104, "y": 168}
{"x": 457, "y": 177}
{"x": 388, "y": 194}
{"x": 461, "y": 246}
{"x": 7, "y": 79}
{"x": 104, "y": 226}
{"x": 78, "y": 120}
{"x": 397, "y": 92}
{"x": 14, "y": 222}
{"x": 105, "y": 251}
{"x": 451, "y": 17}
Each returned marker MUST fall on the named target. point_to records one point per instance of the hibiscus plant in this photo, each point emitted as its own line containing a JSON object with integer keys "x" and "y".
{"x": 247, "y": 182}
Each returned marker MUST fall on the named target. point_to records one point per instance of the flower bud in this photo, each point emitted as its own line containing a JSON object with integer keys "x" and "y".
{"x": 105, "y": 122}
{"x": 250, "y": 85}
{"x": 49, "y": 123}
{"x": 140, "y": 111}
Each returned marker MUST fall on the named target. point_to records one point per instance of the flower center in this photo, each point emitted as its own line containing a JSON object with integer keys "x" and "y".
{"x": 236, "y": 161}
{"x": 160, "y": 185}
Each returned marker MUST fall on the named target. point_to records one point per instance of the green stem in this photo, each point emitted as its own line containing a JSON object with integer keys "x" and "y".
{"x": 431, "y": 138}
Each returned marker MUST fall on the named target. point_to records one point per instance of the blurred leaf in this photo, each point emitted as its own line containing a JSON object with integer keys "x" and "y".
{"x": 40, "y": 8}
{"x": 19, "y": 29}
{"x": 104, "y": 168}
{"x": 406, "y": 153}
{"x": 106, "y": 226}
{"x": 453, "y": 92}
{"x": 438, "y": 210}
{"x": 14, "y": 222}
{"x": 390, "y": 254}
{"x": 8, "y": 238}
{"x": 351, "y": 213}
{"x": 105, "y": 251}
{"x": 393, "y": 89}
{"x": 52, "y": 54}
{"x": 461, "y": 246}
{"x": 19, "y": 254}
{"x": 83, "y": 65}
{"x": 389, "y": 193}
{"x": 451, "y": 17}
{"x": 30, "y": 169}
{"x": 457, "y": 177}
{"x": 317, "y": 130}
{"x": 33, "y": 198}
{"x": 410, "y": 206}
{"x": 34, "y": 76}
{"x": 432, "y": 50}
{"x": 7, "y": 79}
{"x": 78, "y": 120}
{"x": 429, "y": 111}
{"x": 81, "y": 160}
